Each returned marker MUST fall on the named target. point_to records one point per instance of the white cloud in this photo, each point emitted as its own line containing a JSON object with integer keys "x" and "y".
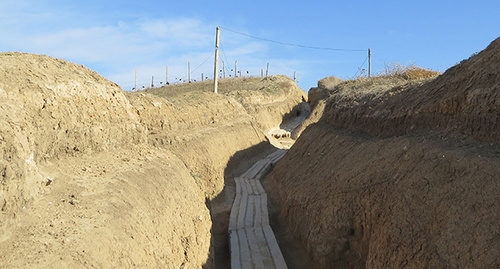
{"x": 243, "y": 48}
{"x": 177, "y": 66}
{"x": 125, "y": 40}
{"x": 182, "y": 31}
{"x": 117, "y": 47}
{"x": 93, "y": 44}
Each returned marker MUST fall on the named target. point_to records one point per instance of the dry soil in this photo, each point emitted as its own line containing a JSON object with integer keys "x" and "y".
{"x": 91, "y": 176}
{"x": 399, "y": 173}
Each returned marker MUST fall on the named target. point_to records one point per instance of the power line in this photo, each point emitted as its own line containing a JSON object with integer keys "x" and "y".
{"x": 194, "y": 70}
{"x": 359, "y": 68}
{"x": 227, "y": 62}
{"x": 203, "y": 62}
{"x": 179, "y": 78}
{"x": 290, "y": 44}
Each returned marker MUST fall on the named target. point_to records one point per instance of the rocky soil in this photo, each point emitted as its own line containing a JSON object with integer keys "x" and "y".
{"x": 399, "y": 172}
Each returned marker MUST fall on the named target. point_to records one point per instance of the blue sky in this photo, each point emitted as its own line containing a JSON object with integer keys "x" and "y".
{"x": 115, "y": 38}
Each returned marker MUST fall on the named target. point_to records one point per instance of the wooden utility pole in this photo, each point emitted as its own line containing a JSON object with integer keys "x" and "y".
{"x": 216, "y": 65}
{"x": 267, "y": 70}
{"x": 201, "y": 76}
{"x": 369, "y": 62}
{"x": 135, "y": 87}
{"x": 235, "y": 69}
{"x": 166, "y": 75}
{"x": 189, "y": 72}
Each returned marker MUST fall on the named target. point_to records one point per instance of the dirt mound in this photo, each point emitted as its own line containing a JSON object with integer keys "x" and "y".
{"x": 51, "y": 109}
{"x": 78, "y": 186}
{"x": 201, "y": 124}
{"x": 465, "y": 98}
{"x": 400, "y": 173}
{"x": 322, "y": 92}
{"x": 136, "y": 207}
{"x": 316, "y": 98}
{"x": 95, "y": 177}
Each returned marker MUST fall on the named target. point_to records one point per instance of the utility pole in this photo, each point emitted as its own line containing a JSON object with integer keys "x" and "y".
{"x": 267, "y": 70}
{"x": 369, "y": 62}
{"x": 166, "y": 75}
{"x": 202, "y": 77}
{"x": 152, "y": 81}
{"x": 235, "y": 68}
{"x": 261, "y": 73}
{"x": 135, "y": 88}
{"x": 294, "y": 73}
{"x": 216, "y": 65}
{"x": 189, "y": 72}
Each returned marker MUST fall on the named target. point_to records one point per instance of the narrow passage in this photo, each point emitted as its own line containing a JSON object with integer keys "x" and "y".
{"x": 252, "y": 241}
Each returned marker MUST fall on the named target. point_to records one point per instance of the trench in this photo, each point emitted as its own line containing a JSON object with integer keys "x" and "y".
{"x": 220, "y": 206}
{"x": 220, "y": 209}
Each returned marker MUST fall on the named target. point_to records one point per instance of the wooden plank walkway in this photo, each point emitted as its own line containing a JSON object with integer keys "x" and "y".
{"x": 252, "y": 241}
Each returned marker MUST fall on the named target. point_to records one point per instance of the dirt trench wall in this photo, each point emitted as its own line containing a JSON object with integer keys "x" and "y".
{"x": 95, "y": 177}
{"x": 136, "y": 207}
{"x": 359, "y": 201}
{"x": 400, "y": 174}
{"x": 466, "y": 98}
{"x": 80, "y": 187}
{"x": 206, "y": 129}
{"x": 50, "y": 109}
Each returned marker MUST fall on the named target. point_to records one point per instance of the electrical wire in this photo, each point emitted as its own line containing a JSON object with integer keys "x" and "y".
{"x": 210, "y": 56}
{"x": 224, "y": 53}
{"x": 203, "y": 62}
{"x": 228, "y": 67}
{"x": 359, "y": 68}
{"x": 290, "y": 44}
